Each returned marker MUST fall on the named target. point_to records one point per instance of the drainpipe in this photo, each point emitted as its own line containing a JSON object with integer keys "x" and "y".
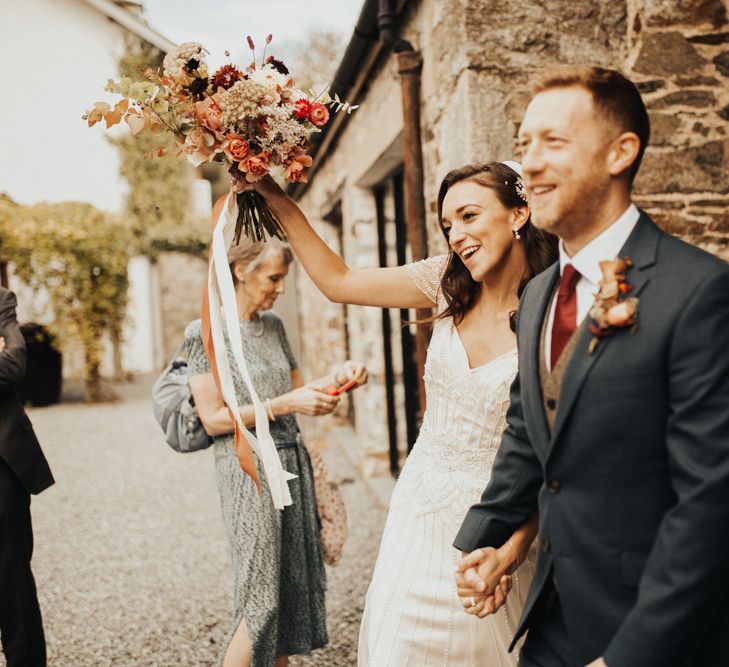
{"x": 409, "y": 66}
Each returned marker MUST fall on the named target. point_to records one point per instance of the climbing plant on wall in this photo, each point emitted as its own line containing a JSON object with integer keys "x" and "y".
{"x": 78, "y": 256}
{"x": 158, "y": 205}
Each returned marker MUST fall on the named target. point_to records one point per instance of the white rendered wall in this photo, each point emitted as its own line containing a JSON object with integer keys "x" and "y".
{"x": 66, "y": 51}
{"x": 142, "y": 347}
{"x": 63, "y": 53}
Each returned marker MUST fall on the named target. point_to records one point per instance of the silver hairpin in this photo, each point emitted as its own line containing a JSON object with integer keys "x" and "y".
{"x": 520, "y": 189}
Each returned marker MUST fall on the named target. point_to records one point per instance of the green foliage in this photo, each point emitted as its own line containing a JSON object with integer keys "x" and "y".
{"x": 78, "y": 255}
{"x": 157, "y": 206}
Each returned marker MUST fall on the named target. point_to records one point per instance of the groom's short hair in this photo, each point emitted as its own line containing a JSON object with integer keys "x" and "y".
{"x": 614, "y": 96}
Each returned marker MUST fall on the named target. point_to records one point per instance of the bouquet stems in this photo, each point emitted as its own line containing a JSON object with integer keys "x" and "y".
{"x": 256, "y": 219}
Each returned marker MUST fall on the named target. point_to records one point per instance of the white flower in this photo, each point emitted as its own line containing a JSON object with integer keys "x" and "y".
{"x": 283, "y": 134}
{"x": 267, "y": 76}
{"x": 176, "y": 60}
{"x": 244, "y": 100}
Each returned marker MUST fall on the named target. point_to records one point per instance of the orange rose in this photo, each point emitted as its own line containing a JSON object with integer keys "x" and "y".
{"x": 256, "y": 167}
{"x": 237, "y": 147}
{"x": 208, "y": 113}
{"x": 296, "y": 171}
{"x": 200, "y": 146}
{"x": 609, "y": 289}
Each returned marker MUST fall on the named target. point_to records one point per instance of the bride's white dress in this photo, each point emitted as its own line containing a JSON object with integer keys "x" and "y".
{"x": 413, "y": 616}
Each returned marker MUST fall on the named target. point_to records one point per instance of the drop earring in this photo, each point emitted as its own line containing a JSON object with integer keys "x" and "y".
{"x": 517, "y": 235}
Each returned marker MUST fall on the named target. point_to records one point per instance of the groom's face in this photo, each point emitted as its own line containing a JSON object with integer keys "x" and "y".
{"x": 563, "y": 142}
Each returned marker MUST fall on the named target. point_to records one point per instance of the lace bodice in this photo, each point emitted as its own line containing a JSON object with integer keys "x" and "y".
{"x": 465, "y": 413}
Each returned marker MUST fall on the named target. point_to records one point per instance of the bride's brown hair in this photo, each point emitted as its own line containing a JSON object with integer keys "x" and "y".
{"x": 460, "y": 290}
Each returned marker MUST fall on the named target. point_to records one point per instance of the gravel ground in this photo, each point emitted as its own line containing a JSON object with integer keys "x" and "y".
{"x": 131, "y": 558}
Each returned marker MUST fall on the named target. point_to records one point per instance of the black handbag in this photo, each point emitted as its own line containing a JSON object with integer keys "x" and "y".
{"x": 175, "y": 411}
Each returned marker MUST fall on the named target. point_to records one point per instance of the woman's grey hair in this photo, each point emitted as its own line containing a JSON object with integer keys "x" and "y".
{"x": 252, "y": 254}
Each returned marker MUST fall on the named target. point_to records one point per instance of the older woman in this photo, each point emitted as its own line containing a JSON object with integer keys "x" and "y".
{"x": 279, "y": 573}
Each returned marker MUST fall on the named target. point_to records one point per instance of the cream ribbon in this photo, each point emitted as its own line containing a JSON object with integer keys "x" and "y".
{"x": 220, "y": 288}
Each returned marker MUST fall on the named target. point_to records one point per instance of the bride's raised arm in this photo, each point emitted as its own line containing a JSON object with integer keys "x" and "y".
{"x": 381, "y": 287}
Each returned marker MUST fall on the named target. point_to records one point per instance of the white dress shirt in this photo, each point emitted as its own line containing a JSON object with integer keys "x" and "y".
{"x": 607, "y": 246}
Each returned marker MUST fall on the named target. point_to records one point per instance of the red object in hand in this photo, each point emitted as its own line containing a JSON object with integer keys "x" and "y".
{"x": 335, "y": 391}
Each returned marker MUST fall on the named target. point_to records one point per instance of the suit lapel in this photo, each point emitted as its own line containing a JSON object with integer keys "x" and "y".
{"x": 641, "y": 247}
{"x": 530, "y": 328}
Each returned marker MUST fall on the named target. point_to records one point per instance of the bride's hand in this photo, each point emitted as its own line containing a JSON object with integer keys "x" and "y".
{"x": 482, "y": 605}
{"x": 269, "y": 189}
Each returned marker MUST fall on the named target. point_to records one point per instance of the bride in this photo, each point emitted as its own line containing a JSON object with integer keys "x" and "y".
{"x": 412, "y": 613}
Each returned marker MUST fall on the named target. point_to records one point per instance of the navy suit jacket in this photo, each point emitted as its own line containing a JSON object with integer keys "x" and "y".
{"x": 19, "y": 447}
{"x": 635, "y": 524}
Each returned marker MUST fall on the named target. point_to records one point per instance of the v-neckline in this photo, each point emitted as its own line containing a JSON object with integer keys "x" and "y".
{"x": 454, "y": 328}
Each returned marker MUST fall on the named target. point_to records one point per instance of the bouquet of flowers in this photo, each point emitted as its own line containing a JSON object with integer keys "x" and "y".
{"x": 252, "y": 119}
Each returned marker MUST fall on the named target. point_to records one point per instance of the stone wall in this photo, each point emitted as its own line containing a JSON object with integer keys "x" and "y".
{"x": 677, "y": 51}
{"x": 478, "y": 58}
{"x": 679, "y": 55}
{"x": 181, "y": 280}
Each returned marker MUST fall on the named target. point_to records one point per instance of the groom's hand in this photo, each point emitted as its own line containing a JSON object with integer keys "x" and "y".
{"x": 600, "y": 662}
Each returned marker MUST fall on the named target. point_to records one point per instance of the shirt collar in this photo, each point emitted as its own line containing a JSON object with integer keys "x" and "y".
{"x": 606, "y": 246}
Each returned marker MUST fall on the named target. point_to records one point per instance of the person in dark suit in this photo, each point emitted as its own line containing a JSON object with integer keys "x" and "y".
{"x": 23, "y": 471}
{"x": 618, "y": 428}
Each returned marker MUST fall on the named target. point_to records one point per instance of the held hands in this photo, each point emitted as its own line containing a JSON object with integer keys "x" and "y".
{"x": 483, "y": 581}
{"x": 2, "y": 343}
{"x": 600, "y": 662}
{"x": 483, "y": 604}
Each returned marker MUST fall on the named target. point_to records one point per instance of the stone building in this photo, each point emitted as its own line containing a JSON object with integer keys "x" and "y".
{"x": 477, "y": 59}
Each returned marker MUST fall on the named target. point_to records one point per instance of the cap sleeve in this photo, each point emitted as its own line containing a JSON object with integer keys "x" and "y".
{"x": 197, "y": 360}
{"x": 426, "y": 276}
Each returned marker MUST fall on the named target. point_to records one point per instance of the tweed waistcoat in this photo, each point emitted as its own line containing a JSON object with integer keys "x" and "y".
{"x": 551, "y": 381}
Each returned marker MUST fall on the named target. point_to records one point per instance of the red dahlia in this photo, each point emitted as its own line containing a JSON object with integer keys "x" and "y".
{"x": 226, "y": 76}
{"x": 303, "y": 109}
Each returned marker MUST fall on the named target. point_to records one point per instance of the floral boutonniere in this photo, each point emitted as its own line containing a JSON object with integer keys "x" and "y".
{"x": 612, "y": 309}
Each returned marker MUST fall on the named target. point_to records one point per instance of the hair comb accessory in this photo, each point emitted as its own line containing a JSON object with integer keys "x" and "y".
{"x": 519, "y": 183}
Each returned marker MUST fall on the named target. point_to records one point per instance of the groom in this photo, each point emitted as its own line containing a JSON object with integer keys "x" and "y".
{"x": 618, "y": 430}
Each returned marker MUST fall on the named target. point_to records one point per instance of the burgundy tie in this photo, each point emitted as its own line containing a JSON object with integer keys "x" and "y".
{"x": 565, "y": 313}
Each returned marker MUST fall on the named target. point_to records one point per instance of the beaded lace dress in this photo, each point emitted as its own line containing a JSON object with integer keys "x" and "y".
{"x": 412, "y": 614}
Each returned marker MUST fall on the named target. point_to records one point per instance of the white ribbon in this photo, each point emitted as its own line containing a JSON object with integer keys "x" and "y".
{"x": 220, "y": 287}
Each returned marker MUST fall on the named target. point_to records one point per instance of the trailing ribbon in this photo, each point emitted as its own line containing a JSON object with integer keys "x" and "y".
{"x": 218, "y": 306}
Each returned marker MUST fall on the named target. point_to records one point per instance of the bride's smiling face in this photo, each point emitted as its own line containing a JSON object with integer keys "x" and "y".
{"x": 479, "y": 227}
